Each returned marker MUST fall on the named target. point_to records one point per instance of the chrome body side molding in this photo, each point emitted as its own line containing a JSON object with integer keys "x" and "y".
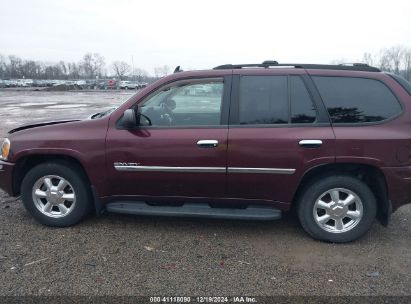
{"x": 260, "y": 170}
{"x": 171, "y": 169}
{"x": 138, "y": 168}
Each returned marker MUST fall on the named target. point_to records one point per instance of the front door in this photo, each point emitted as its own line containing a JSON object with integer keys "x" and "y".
{"x": 277, "y": 131}
{"x": 179, "y": 149}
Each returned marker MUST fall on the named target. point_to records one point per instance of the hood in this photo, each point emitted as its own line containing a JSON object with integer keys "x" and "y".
{"x": 41, "y": 124}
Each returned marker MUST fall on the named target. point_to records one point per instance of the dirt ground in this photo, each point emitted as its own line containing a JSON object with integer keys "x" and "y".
{"x": 130, "y": 255}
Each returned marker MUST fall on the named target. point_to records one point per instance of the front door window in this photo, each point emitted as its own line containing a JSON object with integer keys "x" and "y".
{"x": 192, "y": 104}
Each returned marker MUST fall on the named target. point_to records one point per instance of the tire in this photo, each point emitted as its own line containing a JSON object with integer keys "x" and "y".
{"x": 61, "y": 206}
{"x": 330, "y": 221}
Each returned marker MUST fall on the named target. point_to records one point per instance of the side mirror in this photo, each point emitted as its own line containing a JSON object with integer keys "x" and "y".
{"x": 129, "y": 120}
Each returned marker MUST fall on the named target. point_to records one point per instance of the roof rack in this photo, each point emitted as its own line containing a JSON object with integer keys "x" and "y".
{"x": 268, "y": 64}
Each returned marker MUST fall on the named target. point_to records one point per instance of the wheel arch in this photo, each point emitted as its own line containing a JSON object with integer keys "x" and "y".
{"x": 24, "y": 164}
{"x": 370, "y": 175}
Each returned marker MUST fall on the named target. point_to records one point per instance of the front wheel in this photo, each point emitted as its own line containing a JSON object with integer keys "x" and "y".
{"x": 337, "y": 209}
{"x": 56, "y": 194}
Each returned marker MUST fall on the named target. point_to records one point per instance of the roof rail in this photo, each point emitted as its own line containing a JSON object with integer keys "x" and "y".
{"x": 266, "y": 64}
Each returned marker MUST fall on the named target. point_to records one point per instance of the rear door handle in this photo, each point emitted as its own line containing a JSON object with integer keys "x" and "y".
{"x": 310, "y": 143}
{"x": 207, "y": 143}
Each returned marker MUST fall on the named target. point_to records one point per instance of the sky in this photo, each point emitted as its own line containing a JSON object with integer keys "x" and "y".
{"x": 202, "y": 34}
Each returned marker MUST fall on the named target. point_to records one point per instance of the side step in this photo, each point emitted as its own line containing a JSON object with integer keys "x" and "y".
{"x": 254, "y": 212}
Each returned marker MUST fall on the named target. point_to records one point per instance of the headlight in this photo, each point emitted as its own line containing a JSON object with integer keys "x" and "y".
{"x": 5, "y": 149}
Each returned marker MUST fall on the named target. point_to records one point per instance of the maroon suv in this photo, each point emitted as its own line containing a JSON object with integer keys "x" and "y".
{"x": 238, "y": 141}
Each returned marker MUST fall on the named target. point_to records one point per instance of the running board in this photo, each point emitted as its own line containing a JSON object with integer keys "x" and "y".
{"x": 201, "y": 210}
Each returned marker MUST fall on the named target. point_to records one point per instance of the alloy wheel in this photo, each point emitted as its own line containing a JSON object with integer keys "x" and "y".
{"x": 54, "y": 196}
{"x": 338, "y": 210}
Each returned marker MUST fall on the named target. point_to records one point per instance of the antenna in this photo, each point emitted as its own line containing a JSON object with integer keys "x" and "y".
{"x": 177, "y": 69}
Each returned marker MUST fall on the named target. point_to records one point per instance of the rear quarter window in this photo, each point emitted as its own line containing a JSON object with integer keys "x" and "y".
{"x": 357, "y": 100}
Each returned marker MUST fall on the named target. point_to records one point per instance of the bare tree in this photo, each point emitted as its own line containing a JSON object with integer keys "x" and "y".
{"x": 407, "y": 64}
{"x": 368, "y": 58}
{"x": 92, "y": 64}
{"x": 161, "y": 71}
{"x": 86, "y": 65}
{"x": 395, "y": 55}
{"x": 14, "y": 68}
{"x": 53, "y": 71}
{"x": 140, "y": 74}
{"x": 63, "y": 67}
{"x": 2, "y": 66}
{"x": 98, "y": 63}
{"x": 384, "y": 62}
{"x": 396, "y": 59}
{"x": 73, "y": 70}
{"x": 120, "y": 68}
{"x": 29, "y": 69}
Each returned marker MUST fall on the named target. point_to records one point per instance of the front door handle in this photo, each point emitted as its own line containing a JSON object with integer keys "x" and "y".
{"x": 207, "y": 143}
{"x": 310, "y": 143}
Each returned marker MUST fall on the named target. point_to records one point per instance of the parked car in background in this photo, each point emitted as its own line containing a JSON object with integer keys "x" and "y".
{"x": 2, "y": 83}
{"x": 198, "y": 90}
{"x": 39, "y": 83}
{"x": 21, "y": 83}
{"x": 90, "y": 83}
{"x": 63, "y": 82}
{"x": 107, "y": 84}
{"x": 28, "y": 82}
{"x": 48, "y": 82}
{"x": 81, "y": 83}
{"x": 10, "y": 83}
{"x": 126, "y": 84}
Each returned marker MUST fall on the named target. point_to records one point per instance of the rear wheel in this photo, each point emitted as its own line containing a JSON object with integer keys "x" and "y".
{"x": 56, "y": 194}
{"x": 337, "y": 208}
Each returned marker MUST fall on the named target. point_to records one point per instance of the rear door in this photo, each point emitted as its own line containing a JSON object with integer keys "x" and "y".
{"x": 278, "y": 129}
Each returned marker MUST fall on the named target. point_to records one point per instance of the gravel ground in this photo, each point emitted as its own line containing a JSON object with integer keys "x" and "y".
{"x": 130, "y": 255}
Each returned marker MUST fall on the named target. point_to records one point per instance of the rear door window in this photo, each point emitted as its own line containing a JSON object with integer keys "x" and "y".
{"x": 357, "y": 100}
{"x": 275, "y": 100}
{"x": 263, "y": 100}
